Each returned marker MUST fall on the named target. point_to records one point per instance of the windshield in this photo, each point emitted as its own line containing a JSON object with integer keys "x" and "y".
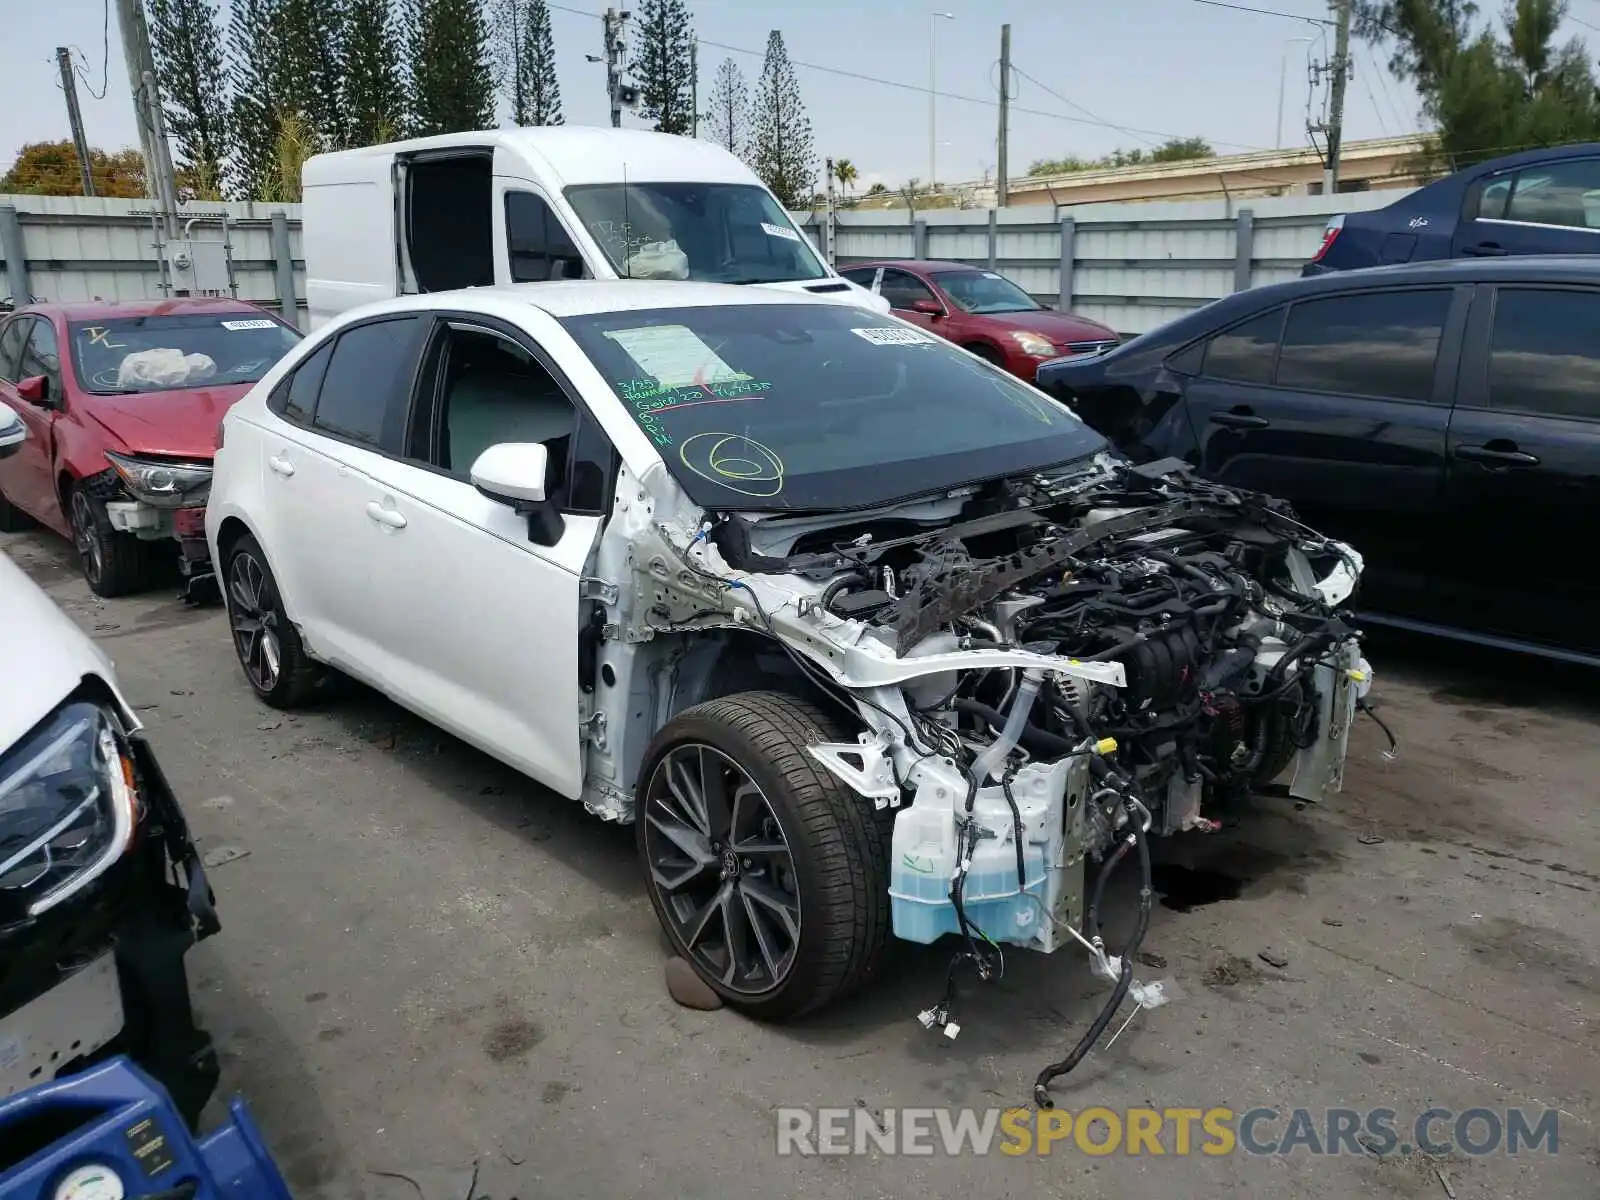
{"x": 984, "y": 292}
{"x": 810, "y": 406}
{"x": 154, "y": 354}
{"x": 717, "y": 232}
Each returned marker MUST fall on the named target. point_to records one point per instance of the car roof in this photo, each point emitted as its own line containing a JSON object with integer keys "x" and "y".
{"x": 582, "y": 297}
{"x": 576, "y": 154}
{"x": 111, "y": 310}
{"x": 1529, "y": 268}
{"x": 919, "y": 265}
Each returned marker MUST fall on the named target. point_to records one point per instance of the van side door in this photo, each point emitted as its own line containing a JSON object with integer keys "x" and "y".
{"x": 1522, "y": 484}
{"x": 1543, "y": 208}
{"x": 1337, "y": 404}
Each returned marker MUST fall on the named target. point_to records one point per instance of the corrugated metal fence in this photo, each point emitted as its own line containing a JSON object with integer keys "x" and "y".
{"x": 1133, "y": 266}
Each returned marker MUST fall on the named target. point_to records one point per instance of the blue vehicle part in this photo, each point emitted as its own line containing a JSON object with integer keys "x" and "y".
{"x": 113, "y": 1133}
{"x": 1444, "y": 220}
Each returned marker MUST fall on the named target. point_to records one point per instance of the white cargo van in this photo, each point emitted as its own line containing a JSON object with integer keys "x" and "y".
{"x": 556, "y": 202}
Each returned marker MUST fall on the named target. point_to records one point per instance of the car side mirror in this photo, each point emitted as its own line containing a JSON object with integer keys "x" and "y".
{"x": 35, "y": 389}
{"x": 930, "y": 308}
{"x": 12, "y": 432}
{"x": 513, "y": 474}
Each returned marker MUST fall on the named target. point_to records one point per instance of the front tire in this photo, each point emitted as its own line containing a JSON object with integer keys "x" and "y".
{"x": 268, "y": 645}
{"x": 769, "y": 876}
{"x": 114, "y": 564}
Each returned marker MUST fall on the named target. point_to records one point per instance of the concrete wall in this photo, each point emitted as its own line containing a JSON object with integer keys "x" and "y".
{"x": 1133, "y": 265}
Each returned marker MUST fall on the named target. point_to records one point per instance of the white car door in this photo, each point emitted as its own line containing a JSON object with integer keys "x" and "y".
{"x": 476, "y": 623}
{"x": 340, "y": 410}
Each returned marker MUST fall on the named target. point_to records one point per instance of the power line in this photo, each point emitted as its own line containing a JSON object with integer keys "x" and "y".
{"x": 105, "y": 56}
{"x": 1267, "y": 12}
{"x": 1401, "y": 125}
{"x": 923, "y": 90}
{"x": 1373, "y": 100}
{"x": 1073, "y": 104}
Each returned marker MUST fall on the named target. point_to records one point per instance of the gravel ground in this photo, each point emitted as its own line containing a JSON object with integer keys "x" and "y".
{"x": 431, "y": 968}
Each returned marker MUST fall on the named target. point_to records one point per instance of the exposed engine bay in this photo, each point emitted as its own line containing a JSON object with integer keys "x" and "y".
{"x": 1049, "y": 670}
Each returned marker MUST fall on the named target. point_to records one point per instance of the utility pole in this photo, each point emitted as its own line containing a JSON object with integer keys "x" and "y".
{"x": 1002, "y": 192}
{"x": 694, "y": 88}
{"x": 611, "y": 24}
{"x": 147, "y": 110}
{"x": 69, "y": 85}
{"x": 1340, "y": 70}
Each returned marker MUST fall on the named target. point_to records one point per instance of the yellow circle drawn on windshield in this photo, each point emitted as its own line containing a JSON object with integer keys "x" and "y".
{"x": 738, "y": 463}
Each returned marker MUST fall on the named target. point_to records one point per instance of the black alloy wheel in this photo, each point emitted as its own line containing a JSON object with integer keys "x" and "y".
{"x": 722, "y": 868}
{"x": 267, "y": 643}
{"x": 768, "y": 874}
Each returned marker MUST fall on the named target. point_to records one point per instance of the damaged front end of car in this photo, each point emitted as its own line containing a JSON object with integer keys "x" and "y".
{"x": 1045, "y": 671}
{"x": 101, "y": 896}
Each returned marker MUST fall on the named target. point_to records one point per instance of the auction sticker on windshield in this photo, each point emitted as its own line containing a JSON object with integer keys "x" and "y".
{"x": 780, "y": 231}
{"x": 238, "y": 325}
{"x": 893, "y": 336}
{"x": 674, "y": 356}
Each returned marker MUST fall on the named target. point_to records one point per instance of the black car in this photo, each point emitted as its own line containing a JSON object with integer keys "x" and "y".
{"x": 1537, "y": 202}
{"x": 1443, "y": 418}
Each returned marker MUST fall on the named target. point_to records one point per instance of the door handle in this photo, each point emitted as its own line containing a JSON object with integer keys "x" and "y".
{"x": 281, "y": 466}
{"x": 1485, "y": 250}
{"x": 385, "y": 516}
{"x": 1239, "y": 418}
{"x": 1505, "y": 454}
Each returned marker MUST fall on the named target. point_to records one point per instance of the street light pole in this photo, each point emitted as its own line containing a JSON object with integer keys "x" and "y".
{"x": 933, "y": 97}
{"x": 1283, "y": 73}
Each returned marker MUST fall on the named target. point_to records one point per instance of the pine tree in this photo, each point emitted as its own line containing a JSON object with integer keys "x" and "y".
{"x": 452, "y": 80}
{"x": 524, "y": 57}
{"x": 728, "y": 118}
{"x": 781, "y": 144}
{"x": 663, "y": 63}
{"x": 186, "y": 39}
{"x": 538, "y": 65}
{"x": 509, "y": 31}
{"x": 260, "y": 78}
{"x": 373, "y": 89}
{"x": 313, "y": 34}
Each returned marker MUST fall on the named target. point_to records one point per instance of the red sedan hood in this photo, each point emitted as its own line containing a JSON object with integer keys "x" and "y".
{"x": 181, "y": 423}
{"x": 1059, "y": 327}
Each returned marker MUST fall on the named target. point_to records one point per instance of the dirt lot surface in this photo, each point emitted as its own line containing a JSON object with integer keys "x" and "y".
{"x": 430, "y": 968}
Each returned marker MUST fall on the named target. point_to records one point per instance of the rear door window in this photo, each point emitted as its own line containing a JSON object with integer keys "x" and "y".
{"x": 1244, "y": 353}
{"x": 1563, "y": 193}
{"x": 860, "y": 276}
{"x": 366, "y": 390}
{"x": 1544, "y": 352}
{"x": 1378, "y": 344}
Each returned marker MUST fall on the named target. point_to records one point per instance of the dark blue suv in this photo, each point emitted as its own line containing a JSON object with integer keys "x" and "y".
{"x": 1537, "y": 202}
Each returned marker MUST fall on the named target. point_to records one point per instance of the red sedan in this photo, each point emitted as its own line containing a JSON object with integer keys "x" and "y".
{"x": 122, "y": 404}
{"x": 982, "y": 311}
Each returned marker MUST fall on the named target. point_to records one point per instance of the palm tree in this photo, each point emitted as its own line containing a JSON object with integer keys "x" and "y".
{"x": 845, "y": 172}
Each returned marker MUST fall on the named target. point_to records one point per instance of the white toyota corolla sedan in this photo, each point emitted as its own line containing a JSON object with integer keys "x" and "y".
{"x": 874, "y": 637}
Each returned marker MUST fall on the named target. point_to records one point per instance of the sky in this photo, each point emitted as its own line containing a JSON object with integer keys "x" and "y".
{"x": 1090, "y": 78}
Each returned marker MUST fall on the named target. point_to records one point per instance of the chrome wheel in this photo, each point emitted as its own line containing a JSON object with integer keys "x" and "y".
{"x": 253, "y": 612}
{"x": 86, "y": 537}
{"x": 722, "y": 870}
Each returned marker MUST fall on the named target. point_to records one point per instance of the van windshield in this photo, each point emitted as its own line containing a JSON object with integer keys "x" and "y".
{"x": 714, "y": 232}
{"x": 795, "y": 407}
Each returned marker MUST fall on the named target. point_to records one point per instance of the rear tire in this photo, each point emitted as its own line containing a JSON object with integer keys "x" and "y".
{"x": 114, "y": 563}
{"x": 770, "y": 877}
{"x": 268, "y": 646}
